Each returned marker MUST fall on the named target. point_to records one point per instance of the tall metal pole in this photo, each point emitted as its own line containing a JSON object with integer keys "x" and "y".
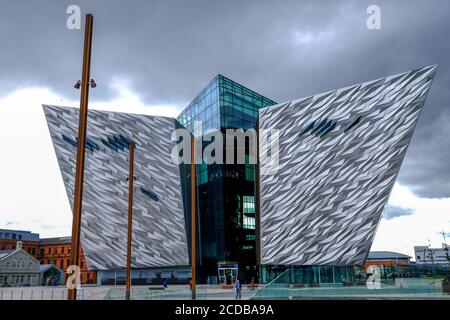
{"x": 79, "y": 175}
{"x": 130, "y": 221}
{"x": 257, "y": 204}
{"x": 193, "y": 219}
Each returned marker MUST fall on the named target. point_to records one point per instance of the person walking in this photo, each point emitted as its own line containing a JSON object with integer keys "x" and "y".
{"x": 252, "y": 284}
{"x": 238, "y": 289}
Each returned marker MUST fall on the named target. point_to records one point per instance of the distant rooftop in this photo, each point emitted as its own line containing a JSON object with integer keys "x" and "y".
{"x": 45, "y": 267}
{"x": 10, "y": 234}
{"x": 387, "y": 255}
{"x": 58, "y": 240}
{"x": 217, "y": 78}
{"x": 5, "y": 253}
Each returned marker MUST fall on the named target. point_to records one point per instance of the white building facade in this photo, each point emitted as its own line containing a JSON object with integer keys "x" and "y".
{"x": 426, "y": 255}
{"x": 18, "y": 268}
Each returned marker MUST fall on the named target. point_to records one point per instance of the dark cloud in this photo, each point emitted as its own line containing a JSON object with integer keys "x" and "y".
{"x": 166, "y": 51}
{"x": 392, "y": 212}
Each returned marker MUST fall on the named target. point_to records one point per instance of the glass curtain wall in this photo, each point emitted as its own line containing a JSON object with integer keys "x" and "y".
{"x": 226, "y": 192}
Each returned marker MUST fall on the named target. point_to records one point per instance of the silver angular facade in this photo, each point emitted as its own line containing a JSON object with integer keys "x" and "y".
{"x": 159, "y": 232}
{"x": 339, "y": 155}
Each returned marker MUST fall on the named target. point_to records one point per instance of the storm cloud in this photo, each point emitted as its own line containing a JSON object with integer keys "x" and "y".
{"x": 167, "y": 51}
{"x": 392, "y": 212}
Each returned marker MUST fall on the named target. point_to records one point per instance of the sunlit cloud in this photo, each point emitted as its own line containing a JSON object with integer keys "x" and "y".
{"x": 402, "y": 233}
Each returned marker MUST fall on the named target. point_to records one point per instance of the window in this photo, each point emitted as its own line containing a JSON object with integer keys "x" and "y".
{"x": 352, "y": 122}
{"x": 150, "y": 194}
{"x": 248, "y": 204}
{"x": 249, "y": 223}
{"x": 250, "y": 237}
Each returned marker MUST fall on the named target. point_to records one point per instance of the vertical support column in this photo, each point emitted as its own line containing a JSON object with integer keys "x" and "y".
{"x": 130, "y": 221}
{"x": 81, "y": 143}
{"x": 193, "y": 219}
{"x": 257, "y": 204}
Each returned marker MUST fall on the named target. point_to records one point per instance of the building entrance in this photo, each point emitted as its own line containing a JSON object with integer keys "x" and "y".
{"x": 227, "y": 272}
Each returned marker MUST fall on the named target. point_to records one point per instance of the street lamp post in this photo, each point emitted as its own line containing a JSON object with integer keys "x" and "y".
{"x": 81, "y": 143}
{"x": 130, "y": 221}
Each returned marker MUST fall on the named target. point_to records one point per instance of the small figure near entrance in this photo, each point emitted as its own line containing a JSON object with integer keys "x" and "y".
{"x": 228, "y": 278}
{"x": 190, "y": 283}
{"x": 344, "y": 281}
{"x": 238, "y": 287}
{"x": 252, "y": 284}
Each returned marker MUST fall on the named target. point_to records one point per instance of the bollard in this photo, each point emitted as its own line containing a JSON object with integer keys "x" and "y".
{"x": 12, "y": 294}
{"x": 51, "y": 296}
{"x": 21, "y": 294}
{"x": 42, "y": 294}
{"x": 31, "y": 294}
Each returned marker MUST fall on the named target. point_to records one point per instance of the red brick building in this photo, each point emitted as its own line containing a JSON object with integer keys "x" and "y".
{"x": 387, "y": 259}
{"x": 55, "y": 251}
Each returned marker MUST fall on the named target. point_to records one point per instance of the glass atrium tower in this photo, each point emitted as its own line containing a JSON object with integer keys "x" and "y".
{"x": 226, "y": 192}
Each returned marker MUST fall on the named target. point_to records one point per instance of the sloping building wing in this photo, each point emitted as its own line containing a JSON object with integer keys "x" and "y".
{"x": 159, "y": 226}
{"x": 339, "y": 156}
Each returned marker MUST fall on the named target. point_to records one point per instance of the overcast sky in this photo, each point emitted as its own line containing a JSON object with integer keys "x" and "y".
{"x": 154, "y": 56}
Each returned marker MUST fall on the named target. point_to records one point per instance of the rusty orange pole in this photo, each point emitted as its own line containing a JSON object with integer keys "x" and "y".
{"x": 79, "y": 174}
{"x": 193, "y": 219}
{"x": 130, "y": 221}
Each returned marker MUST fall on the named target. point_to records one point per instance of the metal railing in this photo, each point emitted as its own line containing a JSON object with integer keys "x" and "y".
{"x": 400, "y": 288}
{"x": 33, "y": 293}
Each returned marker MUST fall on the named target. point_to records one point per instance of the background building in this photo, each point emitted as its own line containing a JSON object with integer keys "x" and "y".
{"x": 9, "y": 238}
{"x": 50, "y": 275}
{"x": 18, "y": 267}
{"x": 48, "y": 251}
{"x": 432, "y": 256}
{"x": 387, "y": 259}
{"x": 56, "y": 252}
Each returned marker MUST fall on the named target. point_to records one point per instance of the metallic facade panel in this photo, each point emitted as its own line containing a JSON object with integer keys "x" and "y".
{"x": 339, "y": 156}
{"x": 159, "y": 232}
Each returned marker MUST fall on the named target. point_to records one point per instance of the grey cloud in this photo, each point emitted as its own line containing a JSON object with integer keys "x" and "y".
{"x": 392, "y": 212}
{"x": 167, "y": 51}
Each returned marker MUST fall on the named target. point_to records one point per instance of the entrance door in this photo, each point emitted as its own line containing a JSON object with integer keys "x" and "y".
{"x": 227, "y": 273}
